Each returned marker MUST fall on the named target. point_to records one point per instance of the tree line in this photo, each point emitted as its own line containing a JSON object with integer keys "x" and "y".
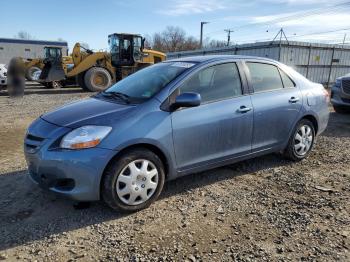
{"x": 174, "y": 39}
{"x": 171, "y": 39}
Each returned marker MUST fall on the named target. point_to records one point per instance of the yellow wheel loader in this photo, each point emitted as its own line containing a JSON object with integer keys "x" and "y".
{"x": 96, "y": 71}
{"x": 35, "y": 65}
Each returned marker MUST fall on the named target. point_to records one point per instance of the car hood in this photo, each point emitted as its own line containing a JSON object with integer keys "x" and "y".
{"x": 90, "y": 111}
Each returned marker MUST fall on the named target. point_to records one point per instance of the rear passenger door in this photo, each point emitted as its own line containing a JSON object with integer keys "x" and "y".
{"x": 276, "y": 101}
{"x": 221, "y": 127}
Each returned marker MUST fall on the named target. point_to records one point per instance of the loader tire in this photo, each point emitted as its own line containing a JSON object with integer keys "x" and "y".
{"x": 97, "y": 79}
{"x": 30, "y": 72}
{"x": 81, "y": 82}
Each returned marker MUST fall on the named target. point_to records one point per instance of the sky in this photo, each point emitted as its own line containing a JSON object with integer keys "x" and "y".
{"x": 91, "y": 21}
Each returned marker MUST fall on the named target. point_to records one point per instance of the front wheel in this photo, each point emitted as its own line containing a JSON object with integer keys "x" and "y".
{"x": 30, "y": 73}
{"x": 97, "y": 79}
{"x": 301, "y": 141}
{"x": 134, "y": 181}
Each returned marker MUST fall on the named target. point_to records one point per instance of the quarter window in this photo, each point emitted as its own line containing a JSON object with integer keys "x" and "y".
{"x": 287, "y": 82}
{"x": 215, "y": 83}
{"x": 264, "y": 77}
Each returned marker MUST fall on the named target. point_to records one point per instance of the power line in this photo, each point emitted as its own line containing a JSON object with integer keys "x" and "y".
{"x": 295, "y": 36}
{"x": 300, "y": 16}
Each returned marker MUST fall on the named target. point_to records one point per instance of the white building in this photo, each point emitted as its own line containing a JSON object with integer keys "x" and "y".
{"x": 10, "y": 48}
{"x": 321, "y": 63}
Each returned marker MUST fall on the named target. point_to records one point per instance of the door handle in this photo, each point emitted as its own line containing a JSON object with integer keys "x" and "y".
{"x": 294, "y": 99}
{"x": 244, "y": 109}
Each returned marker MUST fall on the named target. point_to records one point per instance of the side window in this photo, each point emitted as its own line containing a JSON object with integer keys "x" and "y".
{"x": 287, "y": 82}
{"x": 215, "y": 83}
{"x": 264, "y": 77}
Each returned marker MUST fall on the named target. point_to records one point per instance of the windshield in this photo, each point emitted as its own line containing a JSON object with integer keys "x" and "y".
{"x": 52, "y": 53}
{"x": 147, "y": 82}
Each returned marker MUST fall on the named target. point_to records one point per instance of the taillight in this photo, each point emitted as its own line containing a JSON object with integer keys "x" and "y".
{"x": 326, "y": 94}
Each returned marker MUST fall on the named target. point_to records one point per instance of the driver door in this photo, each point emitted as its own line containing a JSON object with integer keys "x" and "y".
{"x": 221, "y": 127}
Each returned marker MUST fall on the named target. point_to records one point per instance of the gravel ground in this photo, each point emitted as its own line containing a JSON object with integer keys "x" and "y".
{"x": 264, "y": 209}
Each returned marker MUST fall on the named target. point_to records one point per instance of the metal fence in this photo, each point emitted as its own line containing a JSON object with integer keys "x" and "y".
{"x": 321, "y": 63}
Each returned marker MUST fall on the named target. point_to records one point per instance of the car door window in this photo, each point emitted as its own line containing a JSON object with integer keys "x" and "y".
{"x": 287, "y": 82}
{"x": 264, "y": 77}
{"x": 214, "y": 83}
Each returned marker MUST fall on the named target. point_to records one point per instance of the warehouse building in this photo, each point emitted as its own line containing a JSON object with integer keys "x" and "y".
{"x": 321, "y": 63}
{"x": 10, "y": 48}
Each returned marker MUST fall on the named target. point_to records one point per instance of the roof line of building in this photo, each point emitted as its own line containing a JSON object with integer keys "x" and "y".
{"x": 265, "y": 44}
{"x": 32, "y": 42}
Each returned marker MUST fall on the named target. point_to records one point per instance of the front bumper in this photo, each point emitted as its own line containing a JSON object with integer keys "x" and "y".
{"x": 339, "y": 98}
{"x": 75, "y": 174}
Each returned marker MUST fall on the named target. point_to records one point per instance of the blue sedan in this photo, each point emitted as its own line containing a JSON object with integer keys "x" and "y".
{"x": 172, "y": 119}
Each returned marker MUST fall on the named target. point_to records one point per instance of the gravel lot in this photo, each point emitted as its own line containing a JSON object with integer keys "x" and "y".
{"x": 265, "y": 209}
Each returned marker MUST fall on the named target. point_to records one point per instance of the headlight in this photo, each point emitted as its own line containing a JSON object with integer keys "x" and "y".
{"x": 85, "y": 137}
{"x": 338, "y": 82}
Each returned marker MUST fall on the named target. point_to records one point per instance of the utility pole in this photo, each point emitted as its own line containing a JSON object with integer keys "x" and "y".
{"x": 344, "y": 40}
{"x": 280, "y": 34}
{"x": 201, "y": 38}
{"x": 229, "y": 31}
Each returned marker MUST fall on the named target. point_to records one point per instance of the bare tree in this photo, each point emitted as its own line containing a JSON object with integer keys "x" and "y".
{"x": 215, "y": 43}
{"x": 191, "y": 43}
{"x": 23, "y": 35}
{"x": 174, "y": 39}
{"x": 148, "y": 41}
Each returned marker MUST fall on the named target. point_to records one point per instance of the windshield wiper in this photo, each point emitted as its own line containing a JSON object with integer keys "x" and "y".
{"x": 119, "y": 95}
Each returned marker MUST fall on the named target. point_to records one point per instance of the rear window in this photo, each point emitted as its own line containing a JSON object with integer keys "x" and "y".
{"x": 264, "y": 77}
{"x": 287, "y": 82}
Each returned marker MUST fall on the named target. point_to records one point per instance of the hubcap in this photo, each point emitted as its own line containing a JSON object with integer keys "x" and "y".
{"x": 137, "y": 182}
{"x": 100, "y": 79}
{"x": 303, "y": 140}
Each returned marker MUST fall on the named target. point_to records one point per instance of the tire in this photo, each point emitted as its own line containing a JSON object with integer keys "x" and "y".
{"x": 97, "y": 79}
{"x": 341, "y": 110}
{"x": 80, "y": 81}
{"x": 30, "y": 72}
{"x": 291, "y": 152}
{"x": 119, "y": 181}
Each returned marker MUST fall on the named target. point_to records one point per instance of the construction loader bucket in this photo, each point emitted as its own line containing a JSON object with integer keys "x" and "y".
{"x": 52, "y": 71}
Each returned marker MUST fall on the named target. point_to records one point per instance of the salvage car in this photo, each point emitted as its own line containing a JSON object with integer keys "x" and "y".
{"x": 340, "y": 94}
{"x": 171, "y": 119}
{"x": 3, "y": 75}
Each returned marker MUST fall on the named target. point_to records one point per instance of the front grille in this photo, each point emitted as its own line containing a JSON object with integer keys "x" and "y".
{"x": 346, "y": 86}
{"x": 35, "y": 138}
{"x": 32, "y": 143}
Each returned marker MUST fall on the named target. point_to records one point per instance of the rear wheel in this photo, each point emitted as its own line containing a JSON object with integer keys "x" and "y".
{"x": 134, "y": 181}
{"x": 301, "y": 141}
{"x": 97, "y": 79}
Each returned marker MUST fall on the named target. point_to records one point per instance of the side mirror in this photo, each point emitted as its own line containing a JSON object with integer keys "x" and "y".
{"x": 186, "y": 100}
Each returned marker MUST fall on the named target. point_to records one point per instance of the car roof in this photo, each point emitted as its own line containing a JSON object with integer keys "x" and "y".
{"x": 212, "y": 58}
